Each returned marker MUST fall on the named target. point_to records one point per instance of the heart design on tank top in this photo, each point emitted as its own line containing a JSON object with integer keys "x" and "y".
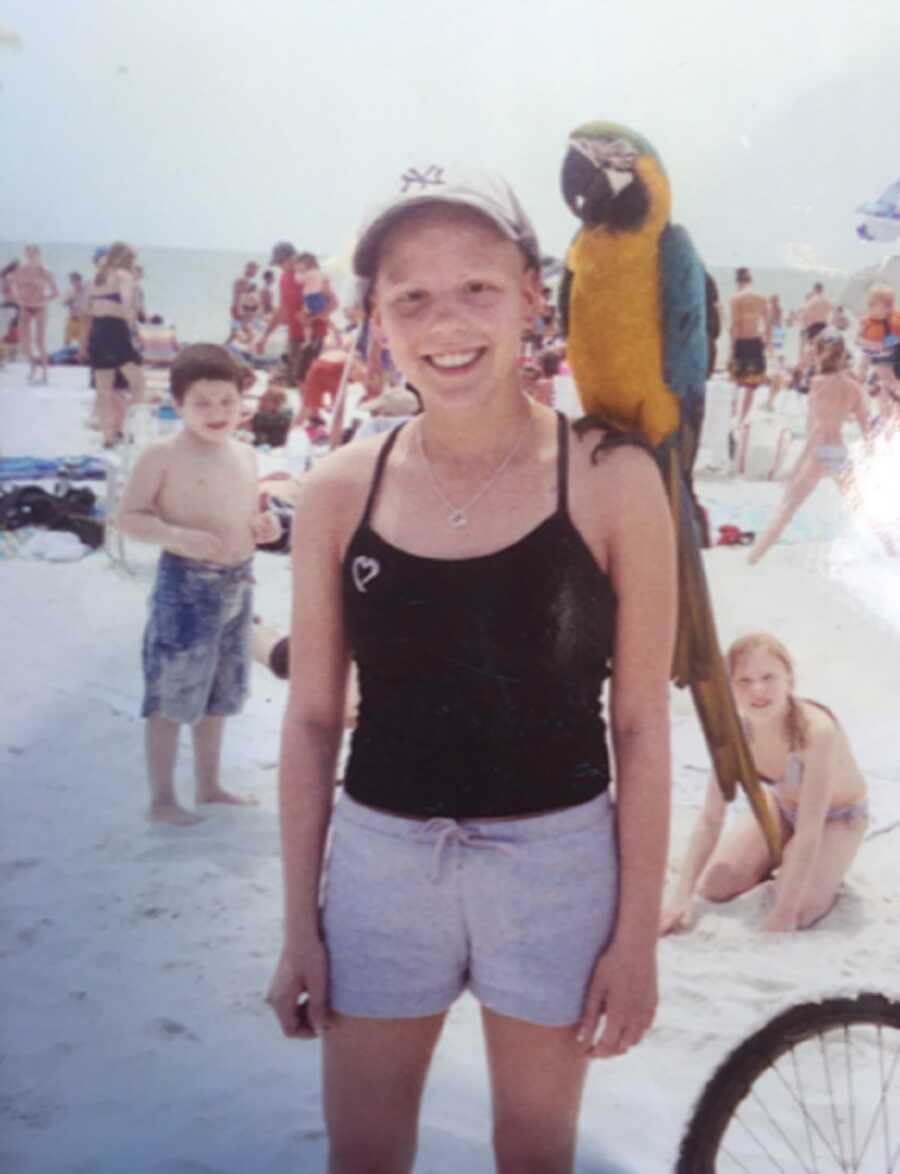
{"x": 364, "y": 570}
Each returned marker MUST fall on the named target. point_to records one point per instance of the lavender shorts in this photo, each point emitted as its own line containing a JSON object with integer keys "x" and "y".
{"x": 517, "y": 911}
{"x": 197, "y": 643}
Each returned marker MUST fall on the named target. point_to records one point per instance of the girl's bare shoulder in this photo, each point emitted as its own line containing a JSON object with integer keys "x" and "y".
{"x": 821, "y": 724}
{"x": 340, "y": 481}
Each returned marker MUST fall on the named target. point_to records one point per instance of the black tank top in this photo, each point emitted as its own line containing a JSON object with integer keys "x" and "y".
{"x": 480, "y": 678}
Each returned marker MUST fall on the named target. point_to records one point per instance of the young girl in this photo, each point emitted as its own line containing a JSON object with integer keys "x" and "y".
{"x": 833, "y": 397}
{"x": 108, "y": 345}
{"x": 817, "y": 795}
{"x": 480, "y": 568}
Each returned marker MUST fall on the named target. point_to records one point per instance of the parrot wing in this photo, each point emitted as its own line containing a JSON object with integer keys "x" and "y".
{"x": 685, "y": 346}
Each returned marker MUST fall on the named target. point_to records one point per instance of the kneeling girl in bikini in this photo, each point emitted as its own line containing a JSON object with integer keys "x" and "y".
{"x": 816, "y": 791}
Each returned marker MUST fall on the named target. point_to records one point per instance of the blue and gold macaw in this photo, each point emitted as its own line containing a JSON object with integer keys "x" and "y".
{"x": 634, "y": 306}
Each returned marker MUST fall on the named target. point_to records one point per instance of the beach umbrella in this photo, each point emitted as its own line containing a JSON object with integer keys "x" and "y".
{"x": 882, "y": 216}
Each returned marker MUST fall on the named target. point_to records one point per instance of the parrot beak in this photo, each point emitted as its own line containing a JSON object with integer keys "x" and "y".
{"x": 586, "y": 188}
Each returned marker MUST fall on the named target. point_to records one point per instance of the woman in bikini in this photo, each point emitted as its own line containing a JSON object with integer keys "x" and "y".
{"x": 834, "y": 396}
{"x": 486, "y": 570}
{"x": 112, "y": 312}
{"x": 816, "y": 792}
{"x": 34, "y": 287}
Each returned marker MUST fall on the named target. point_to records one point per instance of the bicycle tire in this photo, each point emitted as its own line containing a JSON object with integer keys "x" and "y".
{"x": 733, "y": 1079}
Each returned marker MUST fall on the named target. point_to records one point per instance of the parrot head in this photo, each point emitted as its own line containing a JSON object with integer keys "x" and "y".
{"x": 612, "y": 177}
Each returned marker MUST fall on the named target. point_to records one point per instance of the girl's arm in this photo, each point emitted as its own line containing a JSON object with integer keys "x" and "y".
{"x": 126, "y": 288}
{"x": 310, "y": 740}
{"x": 858, "y": 409}
{"x": 640, "y": 552}
{"x": 53, "y": 288}
{"x": 704, "y": 837}
{"x": 803, "y": 846}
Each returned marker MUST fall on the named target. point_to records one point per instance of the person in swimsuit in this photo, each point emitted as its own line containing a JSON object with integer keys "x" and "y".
{"x": 834, "y": 396}
{"x": 34, "y": 287}
{"x": 879, "y": 328}
{"x": 108, "y": 344}
{"x": 478, "y": 566}
{"x": 751, "y": 336}
{"x": 817, "y": 795}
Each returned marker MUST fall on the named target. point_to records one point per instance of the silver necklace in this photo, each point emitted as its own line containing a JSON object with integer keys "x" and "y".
{"x": 458, "y": 515}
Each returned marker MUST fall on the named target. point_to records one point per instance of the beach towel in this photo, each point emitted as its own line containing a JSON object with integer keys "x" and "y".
{"x": 76, "y": 468}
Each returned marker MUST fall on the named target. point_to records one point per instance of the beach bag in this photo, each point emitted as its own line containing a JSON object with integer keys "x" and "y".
{"x": 32, "y": 505}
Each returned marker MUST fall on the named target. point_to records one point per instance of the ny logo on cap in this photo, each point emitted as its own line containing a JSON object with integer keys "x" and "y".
{"x": 432, "y": 176}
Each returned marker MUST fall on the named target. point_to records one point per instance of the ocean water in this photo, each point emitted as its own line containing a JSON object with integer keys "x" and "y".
{"x": 191, "y": 288}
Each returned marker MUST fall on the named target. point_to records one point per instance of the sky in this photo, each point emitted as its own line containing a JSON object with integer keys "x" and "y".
{"x": 229, "y": 125}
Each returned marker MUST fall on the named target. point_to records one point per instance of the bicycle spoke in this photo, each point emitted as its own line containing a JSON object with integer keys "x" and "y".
{"x": 809, "y": 1120}
{"x": 750, "y": 1133}
{"x": 850, "y": 1100}
{"x": 837, "y": 1128}
{"x": 806, "y": 1118}
{"x": 881, "y": 1104}
{"x": 734, "y": 1158}
{"x": 786, "y": 1101}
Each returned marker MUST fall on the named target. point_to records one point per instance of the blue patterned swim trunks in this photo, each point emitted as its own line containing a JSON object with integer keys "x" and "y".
{"x": 197, "y": 643}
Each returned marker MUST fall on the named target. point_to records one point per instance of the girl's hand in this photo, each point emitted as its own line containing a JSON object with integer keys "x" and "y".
{"x": 678, "y": 915}
{"x": 266, "y": 528}
{"x": 779, "y": 923}
{"x": 623, "y": 989}
{"x": 301, "y": 972}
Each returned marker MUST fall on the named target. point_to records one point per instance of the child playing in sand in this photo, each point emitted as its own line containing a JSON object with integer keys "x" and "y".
{"x": 195, "y": 495}
{"x": 833, "y": 397}
{"x": 817, "y": 796}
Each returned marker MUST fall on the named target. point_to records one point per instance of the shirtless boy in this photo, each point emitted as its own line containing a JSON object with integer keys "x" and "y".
{"x": 751, "y": 335}
{"x": 816, "y": 313}
{"x": 34, "y": 286}
{"x": 195, "y": 495}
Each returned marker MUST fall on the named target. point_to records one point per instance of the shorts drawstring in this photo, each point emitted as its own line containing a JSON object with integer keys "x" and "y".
{"x": 450, "y": 832}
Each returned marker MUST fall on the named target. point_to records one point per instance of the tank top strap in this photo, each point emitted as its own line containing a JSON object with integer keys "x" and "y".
{"x": 562, "y": 463}
{"x": 383, "y": 454}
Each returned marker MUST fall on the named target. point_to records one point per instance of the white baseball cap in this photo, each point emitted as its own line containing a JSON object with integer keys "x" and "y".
{"x": 486, "y": 193}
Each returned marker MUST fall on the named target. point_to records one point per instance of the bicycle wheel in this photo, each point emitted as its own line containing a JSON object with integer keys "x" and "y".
{"x": 817, "y": 1089}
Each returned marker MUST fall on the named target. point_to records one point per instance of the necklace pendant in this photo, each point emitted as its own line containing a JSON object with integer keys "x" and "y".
{"x": 457, "y": 518}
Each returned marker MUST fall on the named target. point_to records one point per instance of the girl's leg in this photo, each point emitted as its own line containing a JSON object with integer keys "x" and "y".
{"x": 106, "y": 407}
{"x": 741, "y": 860}
{"x": 134, "y": 373}
{"x": 839, "y": 844}
{"x": 40, "y": 332}
{"x": 373, "y": 1075}
{"x": 537, "y": 1079}
{"x": 25, "y": 339}
{"x": 803, "y": 481}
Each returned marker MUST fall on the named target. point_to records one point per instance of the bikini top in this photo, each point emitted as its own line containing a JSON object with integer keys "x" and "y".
{"x": 793, "y": 772}
{"x": 480, "y": 678}
{"x": 793, "y": 767}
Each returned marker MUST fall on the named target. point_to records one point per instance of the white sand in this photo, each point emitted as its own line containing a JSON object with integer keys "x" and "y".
{"x": 136, "y": 958}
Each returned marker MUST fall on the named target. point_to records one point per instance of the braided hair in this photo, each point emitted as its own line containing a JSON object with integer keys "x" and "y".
{"x": 796, "y": 723}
